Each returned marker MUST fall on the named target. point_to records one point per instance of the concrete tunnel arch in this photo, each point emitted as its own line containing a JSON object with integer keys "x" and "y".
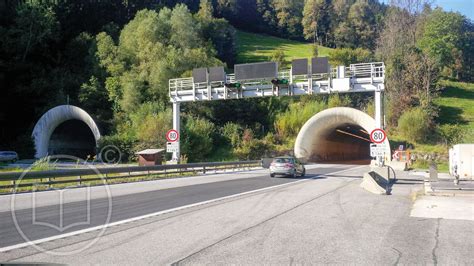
{"x": 53, "y": 118}
{"x": 320, "y": 138}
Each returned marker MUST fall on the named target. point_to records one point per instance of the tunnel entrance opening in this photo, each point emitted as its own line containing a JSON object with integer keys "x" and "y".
{"x": 344, "y": 144}
{"x": 337, "y": 135}
{"x": 72, "y": 137}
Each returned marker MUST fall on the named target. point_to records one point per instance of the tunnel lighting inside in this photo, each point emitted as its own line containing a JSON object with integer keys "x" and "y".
{"x": 353, "y": 135}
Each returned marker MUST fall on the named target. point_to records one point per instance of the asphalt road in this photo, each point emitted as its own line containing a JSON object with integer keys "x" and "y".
{"x": 126, "y": 206}
{"x": 325, "y": 220}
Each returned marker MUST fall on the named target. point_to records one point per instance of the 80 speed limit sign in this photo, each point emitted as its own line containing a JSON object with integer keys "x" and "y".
{"x": 378, "y": 136}
{"x": 172, "y": 135}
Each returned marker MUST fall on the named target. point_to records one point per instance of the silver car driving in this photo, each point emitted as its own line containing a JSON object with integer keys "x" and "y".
{"x": 287, "y": 166}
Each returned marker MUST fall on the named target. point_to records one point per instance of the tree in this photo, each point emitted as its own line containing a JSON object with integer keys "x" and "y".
{"x": 288, "y": 14}
{"x": 396, "y": 46}
{"x": 347, "y": 56}
{"x": 362, "y": 21}
{"x": 227, "y": 9}
{"x": 345, "y": 35}
{"x": 278, "y": 56}
{"x": 35, "y": 24}
{"x": 316, "y": 20}
{"x": 152, "y": 48}
{"x": 206, "y": 10}
{"x": 314, "y": 50}
{"x": 443, "y": 38}
{"x": 219, "y": 32}
{"x": 184, "y": 30}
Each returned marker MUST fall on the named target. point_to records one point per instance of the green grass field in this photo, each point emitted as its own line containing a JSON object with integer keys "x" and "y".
{"x": 456, "y": 103}
{"x": 253, "y": 47}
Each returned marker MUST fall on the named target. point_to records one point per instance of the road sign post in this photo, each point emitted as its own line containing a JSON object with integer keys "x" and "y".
{"x": 172, "y": 136}
{"x": 172, "y": 147}
{"x": 377, "y": 150}
{"x": 378, "y": 136}
{"x": 176, "y": 127}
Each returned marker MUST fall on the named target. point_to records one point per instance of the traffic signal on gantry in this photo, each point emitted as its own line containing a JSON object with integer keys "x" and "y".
{"x": 277, "y": 82}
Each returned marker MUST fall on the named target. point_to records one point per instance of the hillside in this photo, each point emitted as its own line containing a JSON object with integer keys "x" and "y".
{"x": 456, "y": 107}
{"x": 253, "y": 47}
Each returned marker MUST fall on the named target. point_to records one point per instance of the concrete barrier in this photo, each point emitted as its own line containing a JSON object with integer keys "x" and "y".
{"x": 375, "y": 183}
{"x": 396, "y": 165}
{"x": 386, "y": 172}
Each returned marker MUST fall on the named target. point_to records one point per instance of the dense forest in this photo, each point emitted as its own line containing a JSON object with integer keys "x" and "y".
{"x": 114, "y": 59}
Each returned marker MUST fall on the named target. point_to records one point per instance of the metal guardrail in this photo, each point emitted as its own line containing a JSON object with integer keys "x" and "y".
{"x": 65, "y": 176}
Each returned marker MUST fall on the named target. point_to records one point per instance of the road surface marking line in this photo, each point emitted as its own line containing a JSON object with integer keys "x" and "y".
{"x": 87, "y": 230}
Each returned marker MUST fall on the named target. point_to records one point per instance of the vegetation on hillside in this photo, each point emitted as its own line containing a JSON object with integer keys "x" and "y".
{"x": 114, "y": 59}
{"x": 254, "y": 47}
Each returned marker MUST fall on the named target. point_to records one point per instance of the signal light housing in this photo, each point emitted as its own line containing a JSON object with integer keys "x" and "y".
{"x": 277, "y": 82}
{"x": 233, "y": 85}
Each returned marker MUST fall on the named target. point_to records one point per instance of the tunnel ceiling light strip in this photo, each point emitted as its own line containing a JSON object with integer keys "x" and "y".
{"x": 353, "y": 135}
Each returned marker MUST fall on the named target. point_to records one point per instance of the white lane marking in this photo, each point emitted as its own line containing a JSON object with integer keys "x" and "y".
{"x": 51, "y": 238}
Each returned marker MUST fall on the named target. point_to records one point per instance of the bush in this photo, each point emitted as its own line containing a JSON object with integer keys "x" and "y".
{"x": 347, "y": 56}
{"x": 414, "y": 125}
{"x": 252, "y": 148}
{"x": 289, "y": 123}
{"x": 149, "y": 125}
{"x": 336, "y": 100}
{"x": 451, "y": 134}
{"x": 278, "y": 56}
{"x": 197, "y": 141}
{"x": 44, "y": 164}
{"x": 116, "y": 148}
{"x": 232, "y": 132}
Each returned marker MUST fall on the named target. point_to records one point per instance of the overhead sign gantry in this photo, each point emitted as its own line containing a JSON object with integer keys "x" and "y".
{"x": 265, "y": 79}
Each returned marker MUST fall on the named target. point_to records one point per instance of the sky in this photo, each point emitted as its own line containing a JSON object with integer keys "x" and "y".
{"x": 465, "y": 7}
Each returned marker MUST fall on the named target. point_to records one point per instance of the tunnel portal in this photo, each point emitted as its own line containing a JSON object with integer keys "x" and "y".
{"x": 336, "y": 135}
{"x": 65, "y": 129}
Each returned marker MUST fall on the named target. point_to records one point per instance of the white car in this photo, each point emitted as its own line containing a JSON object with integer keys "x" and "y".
{"x": 287, "y": 166}
{"x": 8, "y": 156}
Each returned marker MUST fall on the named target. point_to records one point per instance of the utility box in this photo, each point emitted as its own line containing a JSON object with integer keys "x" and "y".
{"x": 150, "y": 157}
{"x": 461, "y": 157}
{"x": 341, "y": 84}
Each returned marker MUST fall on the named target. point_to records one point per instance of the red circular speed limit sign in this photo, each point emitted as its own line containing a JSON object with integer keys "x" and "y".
{"x": 172, "y": 135}
{"x": 378, "y": 136}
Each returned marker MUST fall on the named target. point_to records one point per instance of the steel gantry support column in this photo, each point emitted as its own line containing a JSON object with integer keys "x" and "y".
{"x": 176, "y": 126}
{"x": 378, "y": 109}
{"x": 378, "y": 118}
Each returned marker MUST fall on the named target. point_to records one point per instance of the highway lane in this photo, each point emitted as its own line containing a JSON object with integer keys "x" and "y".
{"x": 130, "y": 206}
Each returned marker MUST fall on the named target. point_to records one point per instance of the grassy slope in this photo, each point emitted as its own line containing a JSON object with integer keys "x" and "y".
{"x": 456, "y": 104}
{"x": 257, "y": 47}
